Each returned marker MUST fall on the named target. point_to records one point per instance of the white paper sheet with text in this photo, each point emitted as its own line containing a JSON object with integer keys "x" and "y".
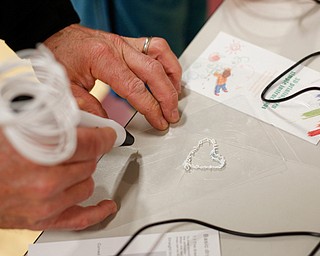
{"x": 189, "y": 243}
{"x": 235, "y": 72}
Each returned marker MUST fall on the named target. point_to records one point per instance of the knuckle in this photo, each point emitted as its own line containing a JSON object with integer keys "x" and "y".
{"x": 93, "y": 147}
{"x": 154, "y": 66}
{"x": 97, "y": 48}
{"x": 160, "y": 43}
{"x": 82, "y": 223}
{"x": 105, "y": 42}
{"x": 117, "y": 39}
{"x": 41, "y": 213}
{"x": 45, "y": 211}
{"x": 152, "y": 108}
{"x": 88, "y": 166}
{"x": 45, "y": 187}
{"x": 174, "y": 96}
{"x": 135, "y": 87}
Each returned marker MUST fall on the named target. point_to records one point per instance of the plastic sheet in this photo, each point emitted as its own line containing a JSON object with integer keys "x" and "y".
{"x": 152, "y": 171}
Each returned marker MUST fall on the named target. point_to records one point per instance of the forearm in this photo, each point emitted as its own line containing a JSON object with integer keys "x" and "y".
{"x": 24, "y": 23}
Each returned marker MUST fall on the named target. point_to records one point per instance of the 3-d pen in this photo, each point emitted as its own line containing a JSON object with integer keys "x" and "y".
{"x": 124, "y": 138}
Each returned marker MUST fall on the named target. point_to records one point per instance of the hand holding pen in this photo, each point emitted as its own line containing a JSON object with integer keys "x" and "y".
{"x": 39, "y": 197}
{"x": 48, "y": 155}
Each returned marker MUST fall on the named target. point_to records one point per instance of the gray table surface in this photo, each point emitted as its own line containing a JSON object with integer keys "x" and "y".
{"x": 274, "y": 186}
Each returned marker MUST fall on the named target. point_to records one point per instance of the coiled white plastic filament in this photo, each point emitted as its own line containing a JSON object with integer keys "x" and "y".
{"x": 38, "y": 113}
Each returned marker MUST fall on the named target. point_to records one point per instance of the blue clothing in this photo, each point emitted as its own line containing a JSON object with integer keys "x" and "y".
{"x": 178, "y": 21}
{"x": 93, "y": 13}
{"x": 219, "y": 87}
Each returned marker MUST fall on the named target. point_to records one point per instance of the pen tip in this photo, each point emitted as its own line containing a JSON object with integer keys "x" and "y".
{"x": 129, "y": 139}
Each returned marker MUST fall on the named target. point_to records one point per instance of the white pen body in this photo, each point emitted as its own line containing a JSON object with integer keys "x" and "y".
{"x": 91, "y": 120}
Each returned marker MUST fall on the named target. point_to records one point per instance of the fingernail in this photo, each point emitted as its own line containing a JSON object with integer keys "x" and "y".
{"x": 164, "y": 124}
{"x": 175, "y": 115}
{"x": 115, "y": 209}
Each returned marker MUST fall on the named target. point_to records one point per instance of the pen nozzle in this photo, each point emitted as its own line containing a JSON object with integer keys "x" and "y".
{"x": 129, "y": 139}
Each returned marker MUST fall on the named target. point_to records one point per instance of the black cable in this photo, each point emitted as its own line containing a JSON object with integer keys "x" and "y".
{"x": 315, "y": 250}
{"x": 224, "y": 230}
{"x": 313, "y": 88}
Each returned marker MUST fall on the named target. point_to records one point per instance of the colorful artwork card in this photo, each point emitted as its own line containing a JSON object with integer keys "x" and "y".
{"x": 235, "y": 72}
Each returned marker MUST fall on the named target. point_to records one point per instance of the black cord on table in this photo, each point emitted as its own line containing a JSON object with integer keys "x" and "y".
{"x": 315, "y": 250}
{"x": 313, "y": 88}
{"x": 224, "y": 230}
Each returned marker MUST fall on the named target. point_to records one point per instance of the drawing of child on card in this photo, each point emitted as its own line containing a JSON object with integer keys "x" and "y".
{"x": 221, "y": 81}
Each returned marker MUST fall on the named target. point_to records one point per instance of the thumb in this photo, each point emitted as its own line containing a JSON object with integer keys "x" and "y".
{"x": 79, "y": 217}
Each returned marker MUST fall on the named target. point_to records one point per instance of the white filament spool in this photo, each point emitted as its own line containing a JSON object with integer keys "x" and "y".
{"x": 38, "y": 113}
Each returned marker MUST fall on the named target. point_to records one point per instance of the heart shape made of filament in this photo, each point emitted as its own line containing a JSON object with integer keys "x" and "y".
{"x": 214, "y": 155}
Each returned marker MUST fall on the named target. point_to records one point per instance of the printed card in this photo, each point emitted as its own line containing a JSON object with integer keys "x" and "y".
{"x": 231, "y": 69}
{"x": 200, "y": 242}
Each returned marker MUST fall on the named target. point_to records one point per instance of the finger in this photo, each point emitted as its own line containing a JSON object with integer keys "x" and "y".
{"x": 160, "y": 50}
{"x": 41, "y": 181}
{"x": 92, "y": 143}
{"x": 76, "y": 193}
{"x": 152, "y": 73}
{"x": 159, "y": 108}
{"x": 136, "y": 93}
{"x": 47, "y": 206}
{"x": 78, "y": 217}
{"x": 169, "y": 61}
{"x": 125, "y": 83}
{"x": 54, "y": 180}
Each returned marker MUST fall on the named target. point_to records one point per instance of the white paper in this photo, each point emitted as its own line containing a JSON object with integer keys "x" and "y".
{"x": 252, "y": 69}
{"x": 189, "y": 243}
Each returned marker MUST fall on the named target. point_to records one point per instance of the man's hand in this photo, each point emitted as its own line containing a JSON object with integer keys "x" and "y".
{"x": 47, "y": 197}
{"x": 90, "y": 54}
